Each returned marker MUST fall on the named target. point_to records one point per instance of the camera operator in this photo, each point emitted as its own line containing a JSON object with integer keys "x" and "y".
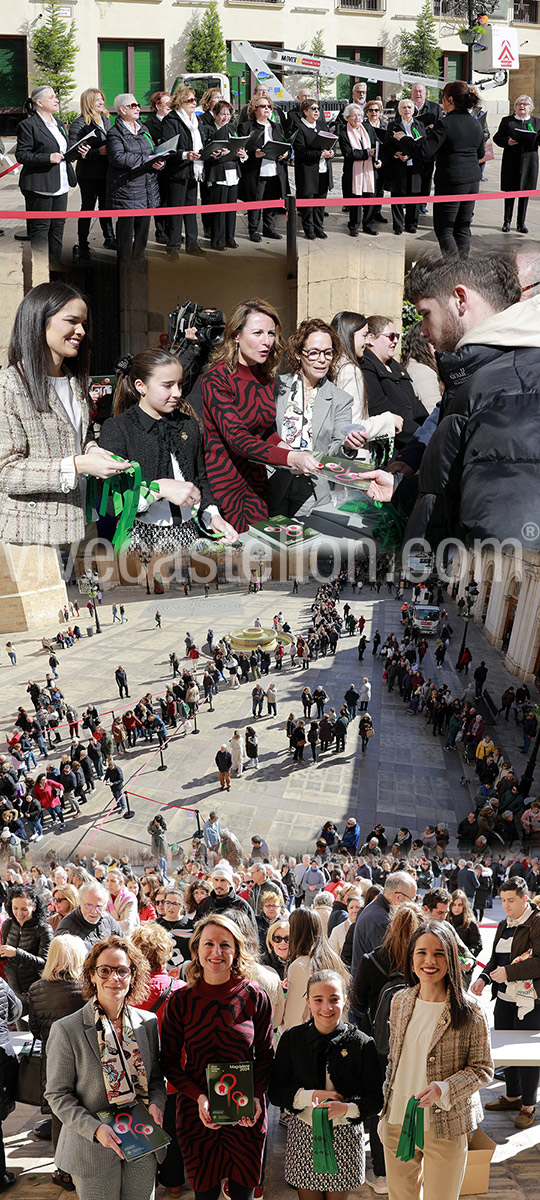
{"x": 193, "y": 333}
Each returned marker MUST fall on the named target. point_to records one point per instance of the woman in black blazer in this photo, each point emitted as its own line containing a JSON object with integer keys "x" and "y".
{"x": 222, "y": 174}
{"x": 359, "y": 159}
{"x": 45, "y": 178}
{"x": 160, "y": 103}
{"x": 403, "y": 180}
{"x": 457, "y": 145}
{"x": 312, "y": 169}
{"x": 92, "y": 167}
{"x": 184, "y": 168}
{"x": 376, "y": 129}
{"x": 262, "y": 178}
{"x": 519, "y": 167}
{"x": 154, "y": 426}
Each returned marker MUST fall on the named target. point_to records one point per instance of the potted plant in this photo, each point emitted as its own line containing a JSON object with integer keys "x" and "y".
{"x": 471, "y": 36}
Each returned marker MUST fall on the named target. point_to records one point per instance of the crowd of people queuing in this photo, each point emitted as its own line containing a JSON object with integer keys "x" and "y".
{"x": 118, "y": 165}
{"x": 326, "y": 972}
{"x": 272, "y": 410}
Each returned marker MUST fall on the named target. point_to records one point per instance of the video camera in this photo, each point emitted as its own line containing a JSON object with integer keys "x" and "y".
{"x": 208, "y": 323}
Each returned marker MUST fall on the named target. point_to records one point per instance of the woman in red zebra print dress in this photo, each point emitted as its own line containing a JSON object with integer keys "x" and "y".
{"x": 239, "y": 412}
{"x": 221, "y": 1017}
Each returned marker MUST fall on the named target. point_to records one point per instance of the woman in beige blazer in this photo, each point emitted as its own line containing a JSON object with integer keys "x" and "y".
{"x": 44, "y": 421}
{"x": 439, "y": 1053}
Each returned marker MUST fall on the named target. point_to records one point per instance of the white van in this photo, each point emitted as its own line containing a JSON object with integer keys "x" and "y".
{"x": 426, "y": 617}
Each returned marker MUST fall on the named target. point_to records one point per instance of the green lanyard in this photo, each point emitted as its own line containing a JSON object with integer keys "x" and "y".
{"x": 412, "y": 1131}
{"x": 125, "y": 491}
{"x": 324, "y": 1159}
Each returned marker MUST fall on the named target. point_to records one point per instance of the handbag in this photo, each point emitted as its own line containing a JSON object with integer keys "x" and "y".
{"x": 370, "y": 733}
{"x": 28, "y": 1086}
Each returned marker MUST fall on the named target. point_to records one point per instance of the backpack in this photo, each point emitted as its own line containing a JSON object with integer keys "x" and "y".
{"x": 380, "y": 1030}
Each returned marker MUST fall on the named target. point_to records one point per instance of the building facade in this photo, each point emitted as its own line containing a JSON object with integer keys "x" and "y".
{"x": 508, "y": 606}
{"x": 139, "y": 45}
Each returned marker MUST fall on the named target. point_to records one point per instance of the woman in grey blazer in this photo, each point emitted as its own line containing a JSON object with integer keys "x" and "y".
{"x": 104, "y": 1055}
{"x": 311, "y": 413}
{"x": 45, "y": 420}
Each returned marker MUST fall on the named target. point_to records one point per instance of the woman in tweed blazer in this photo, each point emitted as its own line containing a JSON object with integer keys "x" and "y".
{"x": 440, "y": 1053}
{"x": 81, "y": 1076}
{"x": 44, "y": 421}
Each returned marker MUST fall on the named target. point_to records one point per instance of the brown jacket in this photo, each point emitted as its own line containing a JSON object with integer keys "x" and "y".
{"x": 526, "y": 937}
{"x": 461, "y": 1056}
{"x": 34, "y": 510}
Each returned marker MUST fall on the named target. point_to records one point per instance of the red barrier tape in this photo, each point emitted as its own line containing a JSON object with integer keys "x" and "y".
{"x": 13, "y": 168}
{"x": 6, "y": 214}
{"x": 139, "y": 796}
{"x": 336, "y": 202}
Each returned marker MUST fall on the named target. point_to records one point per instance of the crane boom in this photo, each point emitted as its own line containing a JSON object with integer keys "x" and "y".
{"x": 261, "y": 58}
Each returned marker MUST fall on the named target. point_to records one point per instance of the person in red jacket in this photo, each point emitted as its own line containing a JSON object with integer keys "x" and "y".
{"x": 48, "y": 793}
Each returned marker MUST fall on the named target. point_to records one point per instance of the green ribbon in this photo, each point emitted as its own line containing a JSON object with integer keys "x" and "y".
{"x": 412, "y": 1131}
{"x": 324, "y": 1159}
{"x": 124, "y": 490}
{"x": 530, "y": 127}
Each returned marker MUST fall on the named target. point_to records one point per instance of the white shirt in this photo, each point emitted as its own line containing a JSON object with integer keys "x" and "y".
{"x": 72, "y": 409}
{"x": 411, "y": 1076}
{"x": 323, "y": 162}
{"x": 268, "y": 166}
{"x": 160, "y": 514}
{"x": 56, "y": 133}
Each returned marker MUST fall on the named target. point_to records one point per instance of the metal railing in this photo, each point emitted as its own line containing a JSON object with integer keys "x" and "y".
{"x": 376, "y": 6}
{"x": 526, "y": 12}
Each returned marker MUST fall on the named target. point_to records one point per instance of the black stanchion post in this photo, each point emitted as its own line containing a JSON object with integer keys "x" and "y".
{"x": 129, "y": 814}
{"x": 195, "y": 730}
{"x": 199, "y": 830}
{"x": 290, "y": 219}
{"x": 163, "y": 766}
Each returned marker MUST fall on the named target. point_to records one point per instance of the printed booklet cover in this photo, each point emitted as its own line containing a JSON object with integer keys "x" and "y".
{"x": 139, "y": 1133}
{"x": 283, "y": 532}
{"x": 230, "y": 1091}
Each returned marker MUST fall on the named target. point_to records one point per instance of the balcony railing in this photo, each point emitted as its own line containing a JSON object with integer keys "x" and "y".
{"x": 374, "y": 6}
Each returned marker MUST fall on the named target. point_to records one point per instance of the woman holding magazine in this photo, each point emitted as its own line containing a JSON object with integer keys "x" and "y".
{"x": 223, "y": 1018}
{"x": 103, "y": 1056}
{"x": 312, "y": 167}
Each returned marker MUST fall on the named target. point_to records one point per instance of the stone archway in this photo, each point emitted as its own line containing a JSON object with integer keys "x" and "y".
{"x": 486, "y": 593}
{"x": 510, "y": 615}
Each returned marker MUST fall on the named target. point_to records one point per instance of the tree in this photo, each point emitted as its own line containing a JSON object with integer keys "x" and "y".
{"x": 54, "y": 50}
{"x": 206, "y": 51}
{"x": 326, "y": 82}
{"x": 420, "y": 50}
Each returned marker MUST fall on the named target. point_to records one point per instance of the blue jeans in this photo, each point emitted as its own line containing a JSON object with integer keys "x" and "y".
{"x": 12, "y": 657}
{"x": 41, "y": 743}
{"x": 35, "y": 826}
{"x": 257, "y": 708}
{"x": 30, "y": 756}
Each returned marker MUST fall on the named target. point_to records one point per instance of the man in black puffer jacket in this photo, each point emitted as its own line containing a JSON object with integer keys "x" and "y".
{"x": 479, "y": 452}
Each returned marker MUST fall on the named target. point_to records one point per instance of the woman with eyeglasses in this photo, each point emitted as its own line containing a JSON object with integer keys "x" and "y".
{"x": 171, "y": 917}
{"x": 310, "y": 415}
{"x": 65, "y": 900}
{"x": 312, "y": 169}
{"x": 184, "y": 168}
{"x": 518, "y": 135}
{"x": 263, "y": 177}
{"x": 160, "y": 103}
{"x": 376, "y": 129}
{"x": 106, "y": 1056}
{"x": 352, "y": 330}
{"x": 222, "y": 175}
{"x": 276, "y": 953}
{"x": 91, "y": 166}
{"x": 359, "y": 165}
{"x": 131, "y": 178}
{"x": 46, "y": 177}
{"x": 388, "y": 385}
{"x": 403, "y": 174}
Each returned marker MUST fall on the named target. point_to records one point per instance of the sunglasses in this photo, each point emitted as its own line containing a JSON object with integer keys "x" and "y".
{"x": 278, "y": 940}
{"x": 314, "y": 107}
{"x": 392, "y": 337}
{"x": 134, "y": 105}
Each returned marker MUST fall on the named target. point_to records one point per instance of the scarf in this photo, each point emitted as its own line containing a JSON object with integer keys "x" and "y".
{"x": 193, "y": 126}
{"x": 363, "y": 175}
{"x": 124, "y": 1072}
{"x": 297, "y": 424}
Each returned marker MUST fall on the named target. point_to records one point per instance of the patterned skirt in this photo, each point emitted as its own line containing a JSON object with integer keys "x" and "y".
{"x": 348, "y": 1149}
{"x": 163, "y": 539}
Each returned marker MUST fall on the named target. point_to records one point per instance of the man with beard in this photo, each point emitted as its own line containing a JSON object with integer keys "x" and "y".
{"x": 477, "y": 454}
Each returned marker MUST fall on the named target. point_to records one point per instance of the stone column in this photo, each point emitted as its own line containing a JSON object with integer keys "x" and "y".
{"x": 32, "y": 590}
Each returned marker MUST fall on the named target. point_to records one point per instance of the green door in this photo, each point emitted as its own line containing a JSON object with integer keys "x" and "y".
{"x": 113, "y": 70}
{"x": 147, "y": 76}
{"x": 12, "y": 72}
{"x": 344, "y": 83}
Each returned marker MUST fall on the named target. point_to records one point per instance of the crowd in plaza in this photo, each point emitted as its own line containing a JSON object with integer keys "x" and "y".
{"x": 217, "y": 156}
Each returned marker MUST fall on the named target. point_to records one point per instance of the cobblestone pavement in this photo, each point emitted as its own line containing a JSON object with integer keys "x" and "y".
{"x": 405, "y": 776}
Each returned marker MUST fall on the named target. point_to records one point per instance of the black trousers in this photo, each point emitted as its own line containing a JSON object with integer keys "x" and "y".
{"x": 92, "y": 191}
{"x": 131, "y": 236}
{"x": 182, "y": 193}
{"x": 162, "y": 225}
{"x": 405, "y": 215}
{"x": 362, "y": 214}
{"x": 48, "y": 231}
{"x": 222, "y": 225}
{"x": 170, "y": 1172}
{"x": 521, "y": 209}
{"x": 313, "y": 218}
{"x": 452, "y": 222}
{"x": 520, "y": 1081}
{"x": 237, "y": 1191}
{"x": 267, "y": 189}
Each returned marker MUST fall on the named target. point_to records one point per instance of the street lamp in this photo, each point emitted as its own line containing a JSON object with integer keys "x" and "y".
{"x": 525, "y": 783}
{"x": 93, "y": 590}
{"x": 467, "y": 602}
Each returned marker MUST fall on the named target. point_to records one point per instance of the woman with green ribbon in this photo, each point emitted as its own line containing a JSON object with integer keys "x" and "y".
{"x": 403, "y": 177}
{"x": 439, "y": 1058}
{"x": 166, "y": 503}
{"x": 327, "y": 1074}
{"x": 518, "y": 135}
